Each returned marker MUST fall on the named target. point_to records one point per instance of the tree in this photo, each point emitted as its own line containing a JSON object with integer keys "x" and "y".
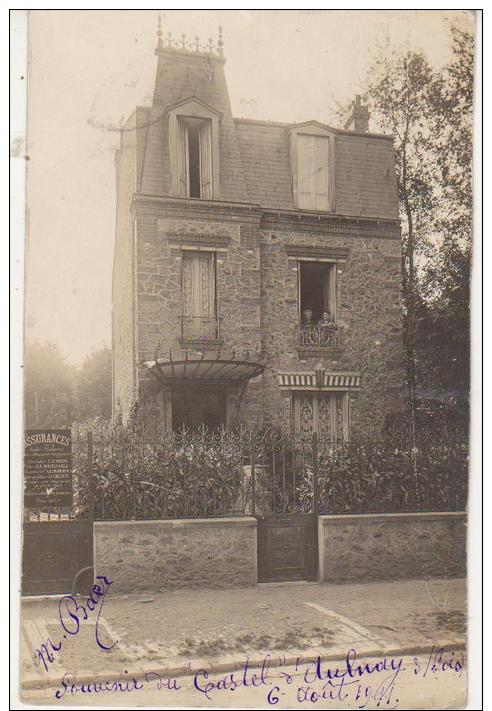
{"x": 49, "y": 397}
{"x": 429, "y": 113}
{"x": 94, "y": 398}
{"x": 446, "y": 276}
{"x": 398, "y": 95}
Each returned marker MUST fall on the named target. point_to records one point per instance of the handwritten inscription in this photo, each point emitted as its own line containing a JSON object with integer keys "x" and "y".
{"x": 362, "y": 682}
{"x": 71, "y": 613}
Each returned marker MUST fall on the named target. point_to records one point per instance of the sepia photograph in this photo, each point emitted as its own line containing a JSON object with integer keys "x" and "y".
{"x": 245, "y": 426}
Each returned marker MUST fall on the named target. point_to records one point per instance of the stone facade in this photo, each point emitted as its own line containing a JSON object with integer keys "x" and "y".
{"x": 391, "y": 547}
{"x": 169, "y": 555}
{"x": 258, "y": 239}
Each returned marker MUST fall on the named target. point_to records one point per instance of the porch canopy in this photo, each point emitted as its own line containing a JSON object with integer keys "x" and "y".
{"x": 206, "y": 370}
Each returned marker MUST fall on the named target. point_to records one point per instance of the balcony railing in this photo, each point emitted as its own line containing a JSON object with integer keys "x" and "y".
{"x": 200, "y": 328}
{"x": 319, "y": 336}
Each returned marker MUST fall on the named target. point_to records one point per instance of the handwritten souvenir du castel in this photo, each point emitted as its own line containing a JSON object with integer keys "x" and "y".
{"x": 246, "y": 358}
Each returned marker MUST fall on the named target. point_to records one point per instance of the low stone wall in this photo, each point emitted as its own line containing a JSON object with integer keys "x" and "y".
{"x": 168, "y": 555}
{"x": 391, "y": 546}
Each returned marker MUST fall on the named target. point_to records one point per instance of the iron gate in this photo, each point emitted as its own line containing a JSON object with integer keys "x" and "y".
{"x": 284, "y": 481}
{"x": 57, "y": 551}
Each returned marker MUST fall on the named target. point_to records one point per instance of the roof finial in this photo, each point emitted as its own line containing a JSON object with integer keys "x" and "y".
{"x": 159, "y": 32}
{"x": 220, "y": 42}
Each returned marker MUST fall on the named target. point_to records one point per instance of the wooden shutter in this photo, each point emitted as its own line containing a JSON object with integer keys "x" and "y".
{"x": 313, "y": 172}
{"x": 183, "y": 160}
{"x": 321, "y": 147}
{"x": 330, "y": 292}
{"x": 199, "y": 294}
{"x": 304, "y": 171}
{"x": 205, "y": 136}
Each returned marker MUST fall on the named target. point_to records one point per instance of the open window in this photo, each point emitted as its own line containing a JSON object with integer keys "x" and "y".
{"x": 194, "y": 150}
{"x": 195, "y": 157}
{"x": 317, "y": 292}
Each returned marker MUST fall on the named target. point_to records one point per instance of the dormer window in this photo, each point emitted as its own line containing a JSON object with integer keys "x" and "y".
{"x": 313, "y": 167}
{"x": 195, "y": 157}
{"x": 194, "y": 150}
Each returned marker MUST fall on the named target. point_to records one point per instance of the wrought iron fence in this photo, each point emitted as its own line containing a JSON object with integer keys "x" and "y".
{"x": 199, "y": 474}
{"x": 320, "y": 336}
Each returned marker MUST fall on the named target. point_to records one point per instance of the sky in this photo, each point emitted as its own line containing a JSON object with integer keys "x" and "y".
{"x": 88, "y": 70}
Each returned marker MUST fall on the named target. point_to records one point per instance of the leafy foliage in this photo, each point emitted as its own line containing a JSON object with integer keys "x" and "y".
{"x": 430, "y": 114}
{"x": 49, "y": 394}
{"x": 178, "y": 475}
{"x": 56, "y": 393}
{"x": 200, "y": 474}
{"x": 378, "y": 477}
{"x": 93, "y": 386}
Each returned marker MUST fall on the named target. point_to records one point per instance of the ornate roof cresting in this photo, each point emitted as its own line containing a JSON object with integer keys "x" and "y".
{"x": 184, "y": 44}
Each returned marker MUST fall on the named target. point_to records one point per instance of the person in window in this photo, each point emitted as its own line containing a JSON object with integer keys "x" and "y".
{"x": 307, "y": 317}
{"x": 326, "y": 326}
{"x": 325, "y": 320}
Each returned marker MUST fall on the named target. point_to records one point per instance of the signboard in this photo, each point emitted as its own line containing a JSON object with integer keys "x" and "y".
{"x": 48, "y": 468}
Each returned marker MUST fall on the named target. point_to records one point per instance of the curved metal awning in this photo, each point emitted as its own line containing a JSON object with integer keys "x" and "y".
{"x": 205, "y": 370}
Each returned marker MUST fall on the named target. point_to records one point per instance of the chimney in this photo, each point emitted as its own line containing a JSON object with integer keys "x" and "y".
{"x": 358, "y": 119}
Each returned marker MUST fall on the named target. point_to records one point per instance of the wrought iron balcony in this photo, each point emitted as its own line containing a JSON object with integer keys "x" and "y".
{"x": 328, "y": 336}
{"x": 199, "y": 329}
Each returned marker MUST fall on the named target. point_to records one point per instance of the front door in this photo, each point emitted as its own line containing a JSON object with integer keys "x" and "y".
{"x": 195, "y": 407}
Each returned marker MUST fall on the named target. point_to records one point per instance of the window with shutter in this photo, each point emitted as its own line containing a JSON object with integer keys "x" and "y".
{"x": 198, "y": 294}
{"x": 183, "y": 160}
{"x": 205, "y": 141}
{"x": 313, "y": 172}
{"x": 194, "y": 150}
{"x": 195, "y": 158}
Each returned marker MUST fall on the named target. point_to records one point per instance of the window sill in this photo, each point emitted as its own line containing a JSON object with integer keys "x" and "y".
{"x": 316, "y": 352}
{"x": 201, "y": 344}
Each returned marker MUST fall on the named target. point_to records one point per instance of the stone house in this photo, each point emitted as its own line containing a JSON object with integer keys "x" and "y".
{"x": 257, "y": 265}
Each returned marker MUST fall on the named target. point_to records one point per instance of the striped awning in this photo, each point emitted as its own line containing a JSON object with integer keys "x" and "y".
{"x": 344, "y": 381}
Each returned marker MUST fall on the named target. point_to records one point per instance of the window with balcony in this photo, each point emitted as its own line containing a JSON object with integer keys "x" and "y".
{"x": 199, "y": 317}
{"x": 317, "y": 305}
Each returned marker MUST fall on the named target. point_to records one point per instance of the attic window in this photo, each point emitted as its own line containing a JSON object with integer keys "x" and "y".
{"x": 313, "y": 167}
{"x": 195, "y": 157}
{"x": 313, "y": 177}
{"x": 194, "y": 150}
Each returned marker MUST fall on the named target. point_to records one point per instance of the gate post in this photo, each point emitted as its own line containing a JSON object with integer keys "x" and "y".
{"x": 90, "y": 474}
{"x": 314, "y": 454}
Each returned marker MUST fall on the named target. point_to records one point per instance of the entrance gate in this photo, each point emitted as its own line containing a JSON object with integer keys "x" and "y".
{"x": 285, "y": 497}
{"x": 57, "y": 551}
